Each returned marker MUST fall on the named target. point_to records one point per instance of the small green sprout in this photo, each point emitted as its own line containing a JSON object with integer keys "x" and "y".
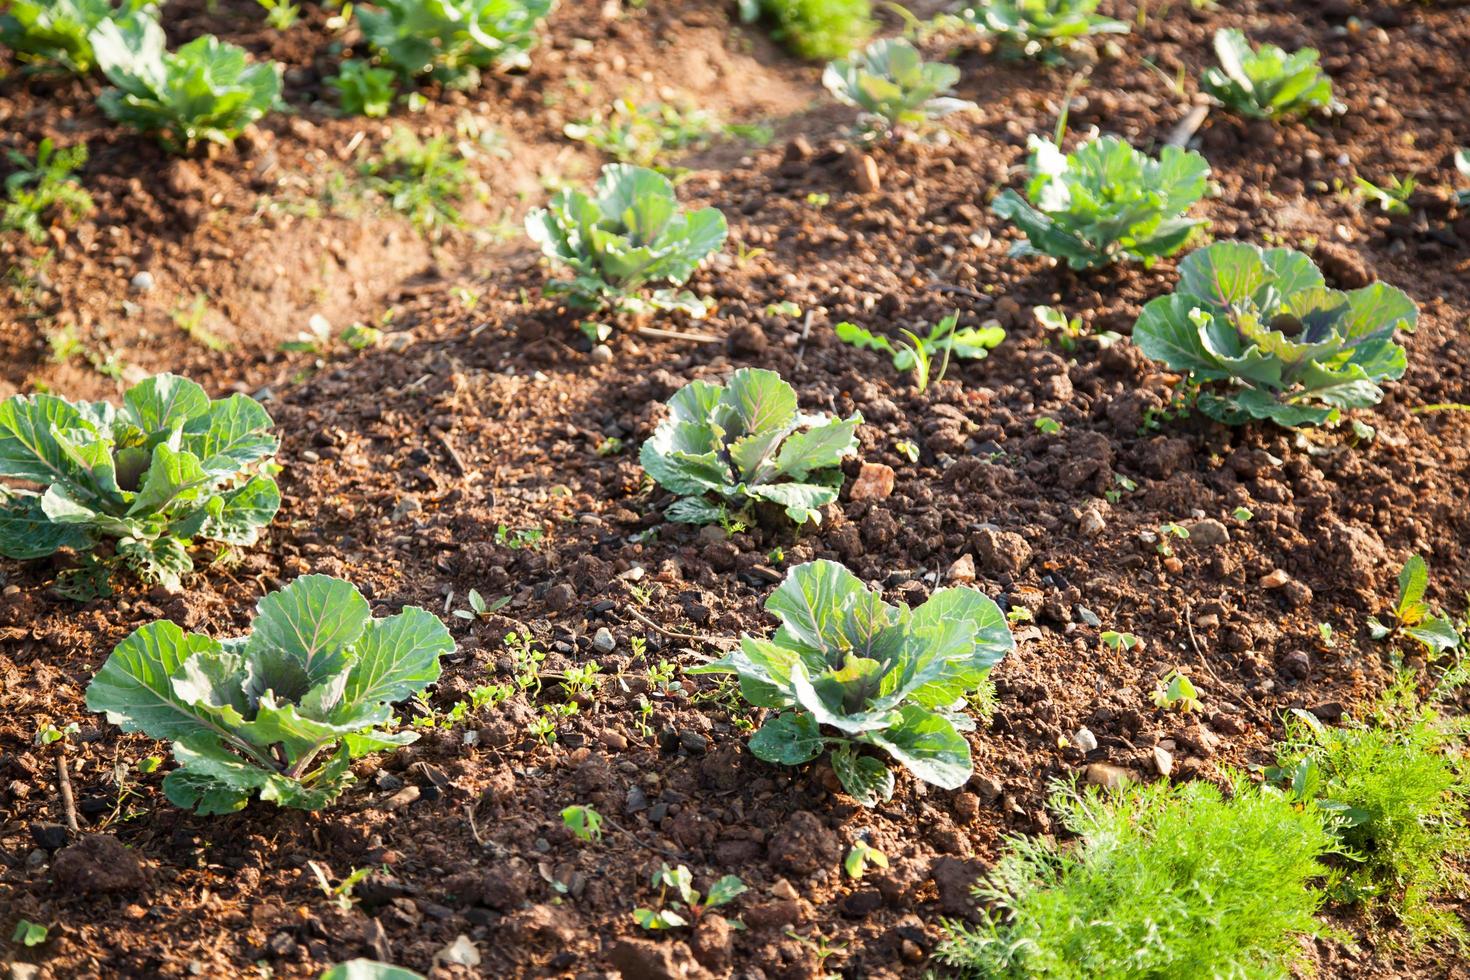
{"x": 1119, "y": 641}
{"x": 584, "y": 822}
{"x": 1393, "y": 198}
{"x": 1176, "y": 693}
{"x": 51, "y": 734}
{"x": 908, "y": 449}
{"x": 1048, "y": 426}
{"x": 1242, "y": 514}
{"x": 29, "y": 933}
{"x": 1167, "y": 531}
{"x": 860, "y": 856}
{"x": 479, "y": 608}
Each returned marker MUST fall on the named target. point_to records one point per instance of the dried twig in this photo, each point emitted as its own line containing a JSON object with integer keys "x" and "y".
{"x": 720, "y": 642}
{"x": 658, "y": 333}
{"x": 1198, "y": 653}
{"x": 68, "y": 804}
{"x": 1185, "y": 128}
{"x": 453, "y": 453}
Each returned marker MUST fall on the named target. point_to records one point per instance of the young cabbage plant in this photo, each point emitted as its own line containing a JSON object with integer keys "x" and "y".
{"x": 451, "y": 40}
{"x": 1282, "y": 346}
{"x": 206, "y": 90}
{"x": 1037, "y": 27}
{"x": 918, "y": 352}
{"x": 167, "y": 467}
{"x": 847, "y": 671}
{"x": 59, "y": 32}
{"x": 746, "y": 442}
{"x": 627, "y": 234}
{"x": 1266, "y": 83}
{"x": 1105, "y": 201}
{"x": 894, "y": 86}
{"x": 281, "y": 712}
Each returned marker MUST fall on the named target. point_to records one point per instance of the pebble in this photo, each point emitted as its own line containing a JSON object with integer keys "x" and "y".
{"x": 1274, "y": 579}
{"x": 784, "y": 889}
{"x": 602, "y": 354}
{"x": 874, "y": 482}
{"x": 1163, "y": 761}
{"x": 962, "y": 572}
{"x": 1091, "y": 523}
{"x": 1107, "y": 775}
{"x": 603, "y": 641}
{"x": 1085, "y": 740}
{"x": 142, "y": 281}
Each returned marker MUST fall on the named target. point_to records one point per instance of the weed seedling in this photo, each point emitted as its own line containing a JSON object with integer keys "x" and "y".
{"x": 584, "y": 822}
{"x": 1176, "y": 693}
{"x": 860, "y": 856}
{"x": 695, "y": 905}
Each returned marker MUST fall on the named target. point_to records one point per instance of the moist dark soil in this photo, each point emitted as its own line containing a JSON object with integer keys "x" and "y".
{"x": 411, "y": 468}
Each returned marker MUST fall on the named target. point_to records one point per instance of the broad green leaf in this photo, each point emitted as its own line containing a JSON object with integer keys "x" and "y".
{"x": 164, "y": 402}
{"x": 818, "y": 448}
{"x": 787, "y": 739}
{"x": 211, "y": 779}
{"x": 396, "y": 658}
{"x": 171, "y": 476}
{"x": 927, "y": 744}
{"x": 812, "y": 601}
{"x": 27, "y": 532}
{"x": 314, "y": 620}
{"x": 724, "y": 891}
{"x": 135, "y": 686}
{"x": 363, "y": 969}
{"x": 1436, "y": 633}
{"x": 1413, "y": 583}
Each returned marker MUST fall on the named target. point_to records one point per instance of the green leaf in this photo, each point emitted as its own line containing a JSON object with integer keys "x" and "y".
{"x": 1413, "y": 583}
{"x": 865, "y": 778}
{"x": 1436, "y": 633}
{"x": 211, "y": 779}
{"x": 363, "y": 969}
{"x": 724, "y": 891}
{"x": 927, "y": 744}
{"x": 788, "y": 739}
{"x": 313, "y": 621}
{"x": 27, "y": 532}
{"x": 396, "y": 658}
{"x": 135, "y": 686}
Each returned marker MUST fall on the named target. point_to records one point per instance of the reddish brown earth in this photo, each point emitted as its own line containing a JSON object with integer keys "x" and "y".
{"x": 400, "y": 464}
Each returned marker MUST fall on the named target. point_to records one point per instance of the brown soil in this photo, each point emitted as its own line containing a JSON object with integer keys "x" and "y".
{"x": 401, "y": 463}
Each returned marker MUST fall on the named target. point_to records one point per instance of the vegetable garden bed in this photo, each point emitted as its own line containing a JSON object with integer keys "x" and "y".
{"x": 481, "y": 460}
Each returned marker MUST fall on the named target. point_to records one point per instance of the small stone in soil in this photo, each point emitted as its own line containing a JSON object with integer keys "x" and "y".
{"x": 1163, "y": 761}
{"x": 874, "y": 482}
{"x": 142, "y": 281}
{"x": 1085, "y": 740}
{"x": 603, "y": 641}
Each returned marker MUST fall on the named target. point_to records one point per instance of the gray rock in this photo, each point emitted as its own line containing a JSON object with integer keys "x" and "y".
{"x": 142, "y": 281}
{"x": 602, "y": 640}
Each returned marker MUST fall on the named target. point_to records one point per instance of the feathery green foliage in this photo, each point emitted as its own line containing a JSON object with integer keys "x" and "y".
{"x": 815, "y": 29}
{"x": 1400, "y": 787}
{"x": 1164, "y": 882}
